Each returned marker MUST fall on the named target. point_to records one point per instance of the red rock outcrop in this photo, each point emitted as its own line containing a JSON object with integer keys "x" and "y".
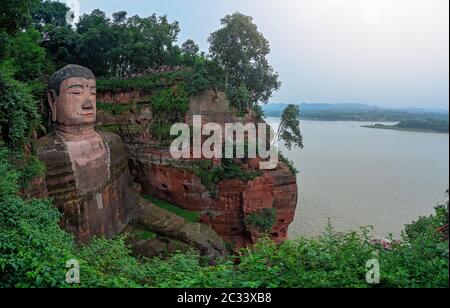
{"x": 225, "y": 209}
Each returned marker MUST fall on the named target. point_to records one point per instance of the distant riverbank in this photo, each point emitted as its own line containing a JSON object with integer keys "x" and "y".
{"x": 393, "y": 127}
{"x": 425, "y": 125}
{"x": 357, "y": 112}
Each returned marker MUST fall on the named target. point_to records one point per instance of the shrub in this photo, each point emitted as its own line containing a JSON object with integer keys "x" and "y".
{"x": 18, "y": 111}
{"x": 290, "y": 164}
{"x": 239, "y": 98}
{"x": 34, "y": 250}
{"x": 263, "y": 220}
{"x": 228, "y": 169}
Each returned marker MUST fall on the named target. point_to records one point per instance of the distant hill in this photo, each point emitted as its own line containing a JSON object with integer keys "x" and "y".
{"x": 357, "y": 112}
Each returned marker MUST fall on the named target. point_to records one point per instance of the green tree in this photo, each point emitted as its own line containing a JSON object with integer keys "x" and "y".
{"x": 28, "y": 57}
{"x": 18, "y": 112}
{"x": 96, "y": 42}
{"x": 16, "y": 15}
{"x": 189, "y": 50}
{"x": 58, "y": 37}
{"x": 49, "y": 13}
{"x": 242, "y": 51}
{"x": 239, "y": 97}
{"x": 289, "y": 128}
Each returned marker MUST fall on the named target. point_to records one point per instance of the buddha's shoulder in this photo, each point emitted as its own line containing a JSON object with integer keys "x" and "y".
{"x": 116, "y": 147}
{"x": 50, "y": 142}
{"x": 110, "y": 138}
{"x": 52, "y": 150}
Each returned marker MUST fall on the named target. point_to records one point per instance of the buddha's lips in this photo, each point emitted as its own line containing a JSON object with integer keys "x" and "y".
{"x": 89, "y": 115}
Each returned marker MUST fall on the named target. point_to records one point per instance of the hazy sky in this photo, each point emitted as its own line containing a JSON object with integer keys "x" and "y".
{"x": 380, "y": 52}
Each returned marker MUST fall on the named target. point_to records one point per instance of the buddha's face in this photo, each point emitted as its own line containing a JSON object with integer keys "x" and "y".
{"x": 76, "y": 103}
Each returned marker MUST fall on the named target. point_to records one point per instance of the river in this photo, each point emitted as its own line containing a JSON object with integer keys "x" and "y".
{"x": 355, "y": 176}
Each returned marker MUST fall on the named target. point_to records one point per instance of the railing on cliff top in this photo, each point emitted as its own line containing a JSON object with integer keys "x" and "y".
{"x": 152, "y": 71}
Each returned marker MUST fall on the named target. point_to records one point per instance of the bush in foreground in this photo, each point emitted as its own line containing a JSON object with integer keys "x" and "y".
{"x": 34, "y": 251}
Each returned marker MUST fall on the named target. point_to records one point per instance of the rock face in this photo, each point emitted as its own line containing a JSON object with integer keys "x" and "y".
{"x": 224, "y": 210}
{"x": 173, "y": 233}
{"x": 101, "y": 211}
{"x": 88, "y": 175}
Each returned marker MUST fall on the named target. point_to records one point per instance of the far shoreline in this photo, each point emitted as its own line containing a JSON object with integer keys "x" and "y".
{"x": 418, "y": 130}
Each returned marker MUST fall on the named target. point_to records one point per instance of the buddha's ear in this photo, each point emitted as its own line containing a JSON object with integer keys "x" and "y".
{"x": 52, "y": 103}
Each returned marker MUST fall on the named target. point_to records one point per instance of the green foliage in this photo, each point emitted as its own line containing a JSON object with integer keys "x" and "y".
{"x": 190, "y": 50}
{"x": 198, "y": 82}
{"x": 263, "y": 220}
{"x": 145, "y": 235}
{"x": 290, "y": 164}
{"x": 289, "y": 128}
{"x": 49, "y": 14}
{"x": 427, "y": 124}
{"x": 18, "y": 112}
{"x": 239, "y": 97}
{"x": 242, "y": 51}
{"x": 34, "y": 251}
{"x": 170, "y": 105}
{"x": 29, "y": 167}
{"x": 16, "y": 15}
{"x": 161, "y": 132}
{"x": 114, "y": 109}
{"x": 193, "y": 80}
{"x": 123, "y": 46}
{"x": 228, "y": 169}
{"x": 191, "y": 216}
{"x": 435, "y": 125}
{"x": 28, "y": 57}
{"x": 258, "y": 112}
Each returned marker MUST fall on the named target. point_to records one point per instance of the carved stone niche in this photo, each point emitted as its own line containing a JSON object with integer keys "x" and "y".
{"x": 87, "y": 173}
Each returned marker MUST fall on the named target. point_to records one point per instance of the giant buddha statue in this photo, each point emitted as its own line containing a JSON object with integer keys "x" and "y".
{"x": 87, "y": 172}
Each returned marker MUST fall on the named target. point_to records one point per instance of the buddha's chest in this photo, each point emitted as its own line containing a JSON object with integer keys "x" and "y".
{"x": 90, "y": 163}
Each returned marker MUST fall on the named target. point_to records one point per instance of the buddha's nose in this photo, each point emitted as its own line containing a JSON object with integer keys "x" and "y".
{"x": 87, "y": 104}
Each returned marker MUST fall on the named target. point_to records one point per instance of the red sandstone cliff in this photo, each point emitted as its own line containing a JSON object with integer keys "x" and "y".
{"x": 173, "y": 180}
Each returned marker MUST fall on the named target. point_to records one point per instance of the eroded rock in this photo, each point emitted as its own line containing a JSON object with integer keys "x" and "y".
{"x": 174, "y": 233}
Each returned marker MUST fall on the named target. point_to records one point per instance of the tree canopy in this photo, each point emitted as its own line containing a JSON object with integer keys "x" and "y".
{"x": 289, "y": 129}
{"x": 242, "y": 51}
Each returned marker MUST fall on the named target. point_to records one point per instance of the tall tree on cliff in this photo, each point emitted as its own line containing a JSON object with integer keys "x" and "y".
{"x": 289, "y": 128}
{"x": 58, "y": 37}
{"x": 15, "y": 15}
{"x": 242, "y": 51}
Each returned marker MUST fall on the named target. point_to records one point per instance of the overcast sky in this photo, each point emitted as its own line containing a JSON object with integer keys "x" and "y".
{"x": 380, "y": 52}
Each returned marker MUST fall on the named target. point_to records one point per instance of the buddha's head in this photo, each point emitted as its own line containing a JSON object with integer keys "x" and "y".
{"x": 72, "y": 97}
